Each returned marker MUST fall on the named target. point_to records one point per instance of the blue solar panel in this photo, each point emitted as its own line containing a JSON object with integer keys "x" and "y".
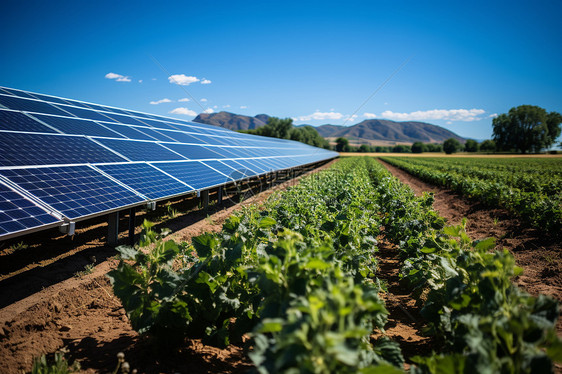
{"x": 181, "y": 137}
{"x": 159, "y": 124}
{"x": 50, "y": 99}
{"x": 128, "y": 131}
{"x": 140, "y": 151}
{"x": 243, "y": 168}
{"x": 146, "y": 179}
{"x": 125, "y": 119}
{"x": 194, "y": 152}
{"x": 16, "y": 103}
{"x": 154, "y": 134}
{"x": 34, "y": 149}
{"x": 77, "y": 126}
{"x": 86, "y": 114}
{"x": 223, "y": 168}
{"x": 18, "y": 93}
{"x": 195, "y": 174}
{"x": 17, "y": 121}
{"x": 17, "y": 213}
{"x": 75, "y": 191}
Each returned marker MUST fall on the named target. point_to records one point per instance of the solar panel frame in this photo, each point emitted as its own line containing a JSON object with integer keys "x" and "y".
{"x": 12, "y": 120}
{"x": 30, "y": 105}
{"x": 51, "y": 149}
{"x": 20, "y": 215}
{"x": 76, "y": 126}
{"x": 195, "y": 173}
{"x": 77, "y": 192}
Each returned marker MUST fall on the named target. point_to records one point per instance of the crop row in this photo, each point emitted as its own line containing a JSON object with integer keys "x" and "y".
{"x": 484, "y": 322}
{"x": 539, "y": 209}
{"x": 296, "y": 280}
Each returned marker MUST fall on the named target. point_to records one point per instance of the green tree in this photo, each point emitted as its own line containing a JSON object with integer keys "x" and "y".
{"x": 364, "y": 148}
{"x": 451, "y": 145}
{"x": 471, "y": 145}
{"x": 401, "y": 148}
{"x": 342, "y": 145}
{"x": 526, "y": 128}
{"x": 418, "y": 147}
{"x": 488, "y": 146}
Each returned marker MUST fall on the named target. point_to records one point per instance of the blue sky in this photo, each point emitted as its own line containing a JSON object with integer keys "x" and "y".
{"x": 314, "y": 61}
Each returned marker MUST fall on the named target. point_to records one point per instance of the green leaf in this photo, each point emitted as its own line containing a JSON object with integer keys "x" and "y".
{"x": 204, "y": 244}
{"x": 381, "y": 369}
{"x": 427, "y": 250}
{"x": 271, "y": 325}
{"x": 485, "y": 244}
{"x": 266, "y": 222}
{"x": 318, "y": 264}
{"x": 554, "y": 351}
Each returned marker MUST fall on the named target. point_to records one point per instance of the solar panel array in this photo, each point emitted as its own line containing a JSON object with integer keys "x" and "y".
{"x": 66, "y": 160}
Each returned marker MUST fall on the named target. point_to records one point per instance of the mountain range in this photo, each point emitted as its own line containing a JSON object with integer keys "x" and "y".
{"x": 372, "y": 131}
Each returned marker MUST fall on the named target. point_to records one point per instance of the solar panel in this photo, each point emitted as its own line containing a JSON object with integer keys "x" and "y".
{"x": 127, "y": 131}
{"x": 76, "y": 126}
{"x": 17, "y": 121}
{"x": 17, "y": 103}
{"x": 194, "y": 173}
{"x": 35, "y": 149}
{"x": 83, "y": 159}
{"x": 18, "y": 213}
{"x": 74, "y": 191}
{"x": 194, "y": 152}
{"x": 146, "y": 179}
{"x": 140, "y": 150}
{"x": 85, "y": 113}
{"x": 242, "y": 168}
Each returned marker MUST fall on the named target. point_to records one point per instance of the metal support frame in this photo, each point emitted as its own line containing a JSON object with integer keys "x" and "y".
{"x": 205, "y": 199}
{"x": 219, "y": 195}
{"x": 113, "y": 229}
{"x": 132, "y": 212}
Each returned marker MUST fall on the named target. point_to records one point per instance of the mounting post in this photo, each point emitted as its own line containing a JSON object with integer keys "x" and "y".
{"x": 219, "y": 196}
{"x": 132, "y": 212}
{"x": 205, "y": 199}
{"x": 113, "y": 229}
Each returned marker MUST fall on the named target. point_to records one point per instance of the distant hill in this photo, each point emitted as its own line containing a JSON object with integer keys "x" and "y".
{"x": 391, "y": 131}
{"x": 368, "y": 131}
{"x": 232, "y": 121}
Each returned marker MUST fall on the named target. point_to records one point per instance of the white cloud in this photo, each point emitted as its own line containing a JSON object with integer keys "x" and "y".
{"x": 182, "y": 79}
{"x": 369, "y": 115}
{"x": 226, "y": 106}
{"x": 185, "y": 111}
{"x": 332, "y": 110}
{"x": 493, "y": 115}
{"x": 140, "y": 80}
{"x": 184, "y": 100}
{"x": 321, "y": 116}
{"x": 465, "y": 115}
{"x": 243, "y": 107}
{"x": 161, "y": 101}
{"x": 215, "y": 106}
{"x": 208, "y": 110}
{"x": 203, "y": 100}
{"x": 118, "y": 77}
{"x": 205, "y": 81}
{"x": 153, "y": 79}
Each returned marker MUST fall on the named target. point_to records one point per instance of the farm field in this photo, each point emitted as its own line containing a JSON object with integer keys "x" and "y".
{"x": 530, "y": 188}
{"x": 301, "y": 274}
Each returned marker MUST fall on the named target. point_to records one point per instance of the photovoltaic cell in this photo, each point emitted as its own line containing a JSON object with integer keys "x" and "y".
{"x": 75, "y": 191}
{"x": 140, "y": 151}
{"x": 50, "y": 99}
{"x": 195, "y": 174}
{"x": 26, "y": 105}
{"x": 35, "y": 149}
{"x": 243, "y": 169}
{"x": 125, "y": 119}
{"x": 146, "y": 179}
{"x": 219, "y": 166}
{"x": 194, "y": 152}
{"x": 86, "y": 114}
{"x": 17, "y": 213}
{"x": 128, "y": 131}
{"x": 154, "y": 134}
{"x": 77, "y": 126}
{"x": 18, "y": 93}
{"x": 180, "y": 136}
{"x": 17, "y": 121}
